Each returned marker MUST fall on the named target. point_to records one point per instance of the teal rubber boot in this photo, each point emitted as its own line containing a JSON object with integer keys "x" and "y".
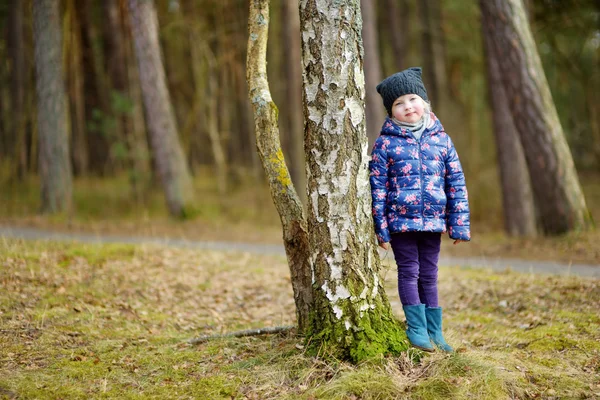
{"x": 434, "y": 328}
{"x": 417, "y": 327}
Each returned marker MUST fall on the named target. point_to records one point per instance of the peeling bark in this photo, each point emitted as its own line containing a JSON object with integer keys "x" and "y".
{"x": 351, "y": 315}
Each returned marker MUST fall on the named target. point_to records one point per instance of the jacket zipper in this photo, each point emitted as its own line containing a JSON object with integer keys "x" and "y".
{"x": 421, "y": 180}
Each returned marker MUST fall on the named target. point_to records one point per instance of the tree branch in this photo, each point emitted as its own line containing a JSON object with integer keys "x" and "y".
{"x": 249, "y": 332}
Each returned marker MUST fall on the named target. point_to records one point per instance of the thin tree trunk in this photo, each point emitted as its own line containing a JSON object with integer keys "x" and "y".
{"x": 136, "y": 125}
{"x": 372, "y": 64}
{"x": 294, "y": 126}
{"x": 556, "y": 187}
{"x": 434, "y": 54}
{"x": 16, "y": 52}
{"x": 206, "y": 79}
{"x": 168, "y": 154}
{"x": 517, "y": 196}
{"x": 97, "y": 102}
{"x": 76, "y": 93}
{"x": 284, "y": 195}
{"x": 397, "y": 16}
{"x": 118, "y": 60}
{"x": 54, "y": 163}
{"x": 351, "y": 314}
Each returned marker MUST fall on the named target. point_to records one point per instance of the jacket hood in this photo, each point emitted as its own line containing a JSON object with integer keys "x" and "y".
{"x": 390, "y": 128}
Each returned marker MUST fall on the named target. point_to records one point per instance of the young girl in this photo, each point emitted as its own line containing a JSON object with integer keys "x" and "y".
{"x": 419, "y": 192}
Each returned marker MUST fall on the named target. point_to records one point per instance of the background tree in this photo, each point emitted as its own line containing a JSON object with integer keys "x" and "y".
{"x": 352, "y": 316}
{"x": 372, "y": 67}
{"x": 517, "y": 196}
{"x": 52, "y": 121}
{"x": 293, "y": 124}
{"x": 556, "y": 186}
{"x": 16, "y": 53}
{"x": 397, "y": 14}
{"x": 434, "y": 54}
{"x": 168, "y": 155}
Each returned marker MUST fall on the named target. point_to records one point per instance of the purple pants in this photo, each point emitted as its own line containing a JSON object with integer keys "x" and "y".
{"x": 417, "y": 255}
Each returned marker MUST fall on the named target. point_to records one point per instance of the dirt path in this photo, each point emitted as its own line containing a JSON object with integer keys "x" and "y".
{"x": 498, "y": 264}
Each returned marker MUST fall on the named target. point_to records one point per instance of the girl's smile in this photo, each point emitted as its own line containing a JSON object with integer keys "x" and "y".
{"x": 408, "y": 108}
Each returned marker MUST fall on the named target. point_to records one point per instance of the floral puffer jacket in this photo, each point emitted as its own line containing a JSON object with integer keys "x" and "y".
{"x": 418, "y": 185}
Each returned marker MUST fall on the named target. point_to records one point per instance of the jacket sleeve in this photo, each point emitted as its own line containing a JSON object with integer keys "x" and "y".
{"x": 458, "y": 218}
{"x": 378, "y": 177}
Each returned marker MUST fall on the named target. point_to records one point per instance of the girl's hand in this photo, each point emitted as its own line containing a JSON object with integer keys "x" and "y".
{"x": 385, "y": 245}
{"x": 457, "y": 241}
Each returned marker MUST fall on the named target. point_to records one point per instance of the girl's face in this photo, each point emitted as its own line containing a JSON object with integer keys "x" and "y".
{"x": 408, "y": 108}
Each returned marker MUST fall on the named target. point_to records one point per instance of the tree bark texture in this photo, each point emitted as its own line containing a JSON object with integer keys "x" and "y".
{"x": 351, "y": 315}
{"x": 168, "y": 154}
{"x": 284, "y": 195}
{"x": 375, "y": 113}
{"x": 517, "y": 195}
{"x": 294, "y": 124}
{"x": 16, "y": 53}
{"x": 556, "y": 187}
{"x": 52, "y": 125}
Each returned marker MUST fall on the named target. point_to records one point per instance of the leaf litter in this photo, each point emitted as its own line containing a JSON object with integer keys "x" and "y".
{"x": 119, "y": 317}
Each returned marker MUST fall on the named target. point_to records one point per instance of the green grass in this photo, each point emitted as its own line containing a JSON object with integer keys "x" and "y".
{"x": 91, "y": 321}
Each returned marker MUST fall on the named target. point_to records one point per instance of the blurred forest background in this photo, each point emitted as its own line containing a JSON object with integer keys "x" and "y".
{"x": 203, "y": 45}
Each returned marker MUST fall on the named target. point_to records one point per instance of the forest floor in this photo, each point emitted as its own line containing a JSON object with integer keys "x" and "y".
{"x": 85, "y": 321}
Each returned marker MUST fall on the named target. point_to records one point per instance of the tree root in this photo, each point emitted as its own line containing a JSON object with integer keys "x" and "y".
{"x": 249, "y": 332}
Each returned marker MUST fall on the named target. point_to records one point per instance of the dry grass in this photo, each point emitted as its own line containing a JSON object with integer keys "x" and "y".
{"x": 83, "y": 321}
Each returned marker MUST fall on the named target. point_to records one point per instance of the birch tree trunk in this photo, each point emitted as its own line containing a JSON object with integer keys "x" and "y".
{"x": 284, "y": 195}
{"x": 168, "y": 154}
{"x": 352, "y": 317}
{"x": 375, "y": 113}
{"x": 517, "y": 196}
{"x": 54, "y": 162}
{"x": 556, "y": 187}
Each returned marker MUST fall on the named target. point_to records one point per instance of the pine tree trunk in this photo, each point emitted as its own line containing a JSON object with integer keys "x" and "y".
{"x": 434, "y": 54}
{"x": 283, "y": 193}
{"x": 374, "y": 106}
{"x": 168, "y": 154}
{"x": 517, "y": 196}
{"x": 136, "y": 125}
{"x": 52, "y": 125}
{"x": 16, "y": 52}
{"x": 75, "y": 90}
{"x": 97, "y": 102}
{"x": 294, "y": 126}
{"x": 397, "y": 15}
{"x": 351, "y": 314}
{"x": 556, "y": 187}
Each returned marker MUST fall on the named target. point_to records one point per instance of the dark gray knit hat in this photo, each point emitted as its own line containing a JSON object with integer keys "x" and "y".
{"x": 401, "y": 83}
